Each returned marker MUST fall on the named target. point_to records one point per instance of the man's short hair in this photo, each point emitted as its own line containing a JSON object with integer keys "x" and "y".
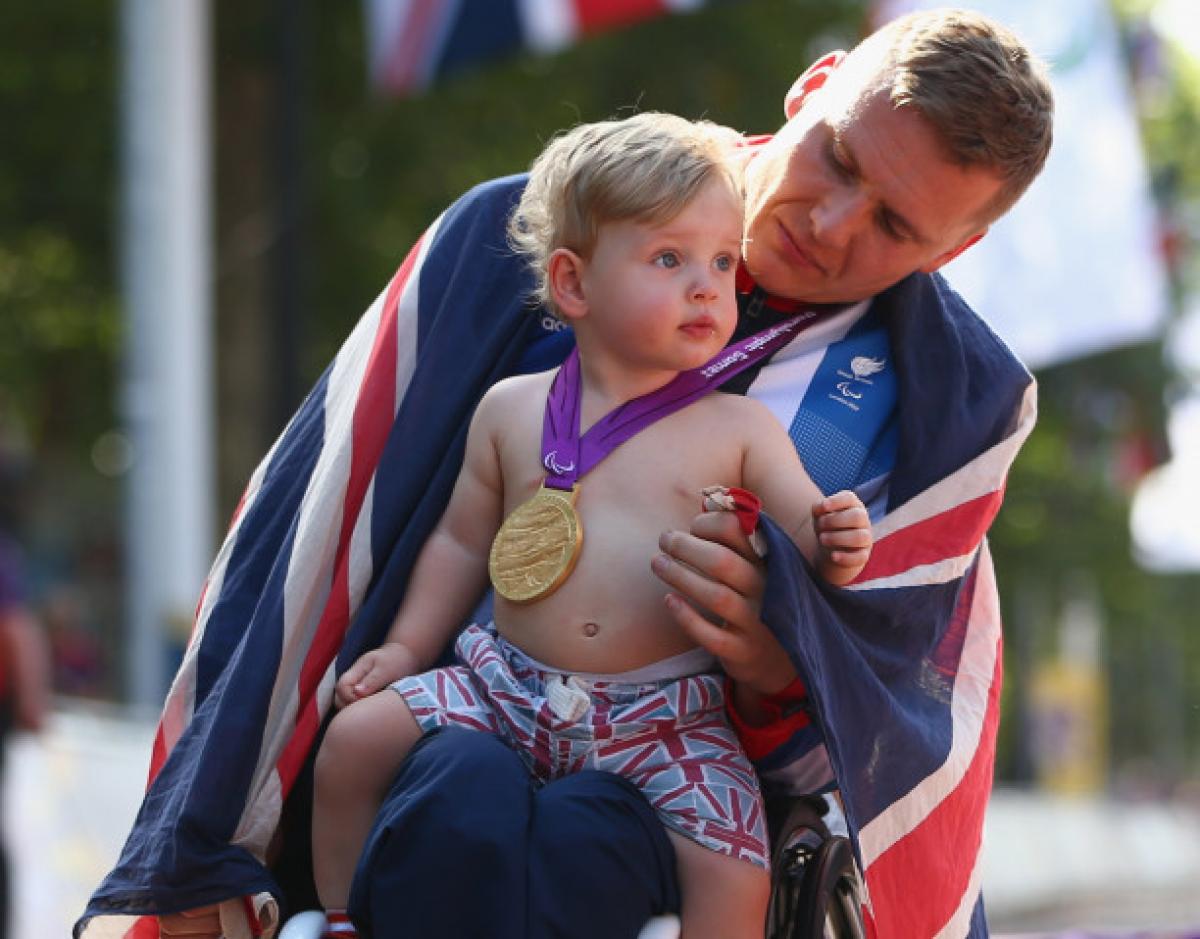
{"x": 986, "y": 95}
{"x": 644, "y": 168}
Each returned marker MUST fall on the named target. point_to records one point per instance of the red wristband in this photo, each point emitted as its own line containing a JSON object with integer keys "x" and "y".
{"x": 786, "y": 715}
{"x": 783, "y": 701}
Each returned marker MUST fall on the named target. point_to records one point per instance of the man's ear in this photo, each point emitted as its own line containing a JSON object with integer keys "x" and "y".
{"x": 948, "y": 256}
{"x": 564, "y": 279}
{"x": 813, "y": 78}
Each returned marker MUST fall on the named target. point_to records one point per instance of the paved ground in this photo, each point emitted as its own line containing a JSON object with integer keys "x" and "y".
{"x": 71, "y": 797}
{"x": 1145, "y": 913}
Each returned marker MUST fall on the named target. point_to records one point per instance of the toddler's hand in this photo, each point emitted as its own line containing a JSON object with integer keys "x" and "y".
{"x": 843, "y": 531}
{"x": 373, "y": 672}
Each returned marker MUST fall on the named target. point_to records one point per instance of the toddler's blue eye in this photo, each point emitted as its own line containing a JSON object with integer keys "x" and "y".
{"x": 724, "y": 263}
{"x": 668, "y": 259}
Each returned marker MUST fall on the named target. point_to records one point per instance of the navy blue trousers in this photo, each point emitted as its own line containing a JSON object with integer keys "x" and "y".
{"x": 467, "y": 845}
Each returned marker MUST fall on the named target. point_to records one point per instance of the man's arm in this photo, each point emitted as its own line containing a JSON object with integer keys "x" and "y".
{"x": 713, "y": 566}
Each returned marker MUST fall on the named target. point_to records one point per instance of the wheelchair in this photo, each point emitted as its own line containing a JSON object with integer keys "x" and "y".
{"x": 815, "y": 891}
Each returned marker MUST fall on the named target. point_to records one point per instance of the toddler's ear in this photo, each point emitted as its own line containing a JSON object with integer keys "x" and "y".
{"x": 564, "y": 278}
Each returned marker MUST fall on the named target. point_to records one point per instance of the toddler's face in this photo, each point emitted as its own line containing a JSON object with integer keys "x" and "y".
{"x": 662, "y": 295}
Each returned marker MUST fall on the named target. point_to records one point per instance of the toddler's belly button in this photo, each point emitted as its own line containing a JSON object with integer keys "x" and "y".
{"x": 590, "y": 629}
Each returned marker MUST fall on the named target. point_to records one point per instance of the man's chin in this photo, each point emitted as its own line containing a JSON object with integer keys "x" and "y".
{"x": 788, "y": 286}
{"x": 782, "y": 280}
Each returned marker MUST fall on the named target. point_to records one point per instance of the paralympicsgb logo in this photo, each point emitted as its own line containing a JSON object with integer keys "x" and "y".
{"x": 856, "y": 381}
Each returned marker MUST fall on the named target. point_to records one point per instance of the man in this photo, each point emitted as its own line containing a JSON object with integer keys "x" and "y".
{"x": 893, "y": 159}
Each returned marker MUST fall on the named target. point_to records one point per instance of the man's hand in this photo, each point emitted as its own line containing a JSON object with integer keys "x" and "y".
{"x": 373, "y": 672}
{"x": 713, "y": 568}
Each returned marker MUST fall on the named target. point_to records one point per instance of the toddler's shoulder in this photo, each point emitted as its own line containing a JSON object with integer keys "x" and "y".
{"x": 511, "y": 396}
{"x": 749, "y": 424}
{"x": 731, "y": 407}
{"x": 519, "y": 388}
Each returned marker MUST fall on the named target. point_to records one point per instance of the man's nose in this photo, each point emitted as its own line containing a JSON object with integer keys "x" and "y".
{"x": 839, "y": 215}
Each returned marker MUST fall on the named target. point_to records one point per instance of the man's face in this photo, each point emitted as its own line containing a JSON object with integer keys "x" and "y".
{"x": 853, "y": 195}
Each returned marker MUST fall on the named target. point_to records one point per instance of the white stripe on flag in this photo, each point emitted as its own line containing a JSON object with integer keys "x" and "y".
{"x": 923, "y": 575}
{"x": 407, "y": 316}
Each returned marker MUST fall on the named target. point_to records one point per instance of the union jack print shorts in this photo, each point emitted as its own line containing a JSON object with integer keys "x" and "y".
{"x": 671, "y": 739}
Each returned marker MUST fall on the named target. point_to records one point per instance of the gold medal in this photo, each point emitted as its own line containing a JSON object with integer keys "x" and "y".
{"x": 537, "y": 547}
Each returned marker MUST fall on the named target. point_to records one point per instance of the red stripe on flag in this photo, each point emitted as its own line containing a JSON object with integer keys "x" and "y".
{"x": 948, "y": 534}
{"x": 158, "y": 755}
{"x": 144, "y": 927}
{"x": 596, "y": 15}
{"x": 239, "y": 508}
{"x": 373, "y": 415}
{"x": 942, "y": 851}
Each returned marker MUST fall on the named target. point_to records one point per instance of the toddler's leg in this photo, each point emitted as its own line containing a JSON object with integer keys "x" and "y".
{"x": 723, "y": 897}
{"x": 362, "y": 750}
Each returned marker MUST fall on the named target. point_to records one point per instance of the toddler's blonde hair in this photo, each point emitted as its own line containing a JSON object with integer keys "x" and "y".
{"x": 645, "y": 168}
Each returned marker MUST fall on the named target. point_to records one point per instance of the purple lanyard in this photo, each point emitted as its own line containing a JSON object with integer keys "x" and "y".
{"x": 567, "y": 456}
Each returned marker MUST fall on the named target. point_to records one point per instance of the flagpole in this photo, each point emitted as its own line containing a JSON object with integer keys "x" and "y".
{"x": 167, "y": 285}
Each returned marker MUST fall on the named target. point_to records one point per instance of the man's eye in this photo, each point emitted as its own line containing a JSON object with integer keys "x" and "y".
{"x": 888, "y": 227}
{"x": 724, "y": 263}
{"x": 836, "y": 162}
{"x": 667, "y": 259}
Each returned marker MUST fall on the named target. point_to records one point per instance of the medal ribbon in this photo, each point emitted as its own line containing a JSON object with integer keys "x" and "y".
{"x": 566, "y": 455}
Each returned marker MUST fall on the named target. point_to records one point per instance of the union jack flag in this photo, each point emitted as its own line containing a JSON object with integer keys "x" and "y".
{"x": 411, "y": 43}
{"x": 903, "y": 670}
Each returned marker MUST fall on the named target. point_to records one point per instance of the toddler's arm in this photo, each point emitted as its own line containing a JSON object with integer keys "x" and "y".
{"x": 833, "y": 532}
{"x": 450, "y": 572}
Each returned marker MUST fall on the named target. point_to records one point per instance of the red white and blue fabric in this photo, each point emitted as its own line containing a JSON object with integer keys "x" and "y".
{"x": 413, "y": 42}
{"x": 903, "y": 671}
{"x": 669, "y": 738}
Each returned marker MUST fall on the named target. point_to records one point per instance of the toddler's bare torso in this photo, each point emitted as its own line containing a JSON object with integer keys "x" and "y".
{"x": 609, "y": 615}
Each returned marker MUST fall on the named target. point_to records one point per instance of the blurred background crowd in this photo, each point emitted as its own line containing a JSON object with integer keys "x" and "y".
{"x": 155, "y": 340}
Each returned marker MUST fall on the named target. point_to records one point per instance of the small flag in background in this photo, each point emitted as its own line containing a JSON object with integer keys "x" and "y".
{"x": 411, "y": 43}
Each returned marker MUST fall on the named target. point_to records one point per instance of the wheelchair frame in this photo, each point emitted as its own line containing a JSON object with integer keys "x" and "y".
{"x": 815, "y": 892}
